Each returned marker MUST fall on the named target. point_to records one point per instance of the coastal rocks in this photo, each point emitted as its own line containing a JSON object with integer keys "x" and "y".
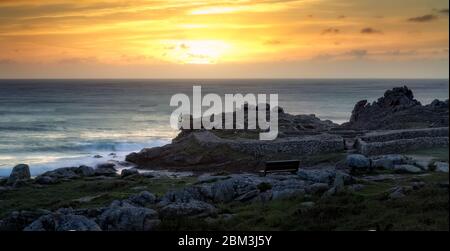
{"x": 358, "y": 161}
{"x": 407, "y": 169}
{"x": 388, "y": 162}
{"x": 441, "y": 167}
{"x": 46, "y": 180}
{"x": 63, "y": 220}
{"x": 63, "y": 173}
{"x": 85, "y": 171}
{"x": 398, "y": 109}
{"x": 19, "y": 173}
{"x": 142, "y": 199}
{"x": 128, "y": 172}
{"x": 318, "y": 188}
{"x": 122, "y": 216}
{"x": 106, "y": 169}
{"x": 399, "y": 192}
{"x": 18, "y": 220}
{"x": 193, "y": 208}
{"x": 317, "y": 175}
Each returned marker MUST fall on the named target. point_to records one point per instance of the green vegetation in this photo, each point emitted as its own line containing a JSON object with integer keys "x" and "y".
{"x": 66, "y": 194}
{"x": 439, "y": 154}
{"x": 368, "y": 209}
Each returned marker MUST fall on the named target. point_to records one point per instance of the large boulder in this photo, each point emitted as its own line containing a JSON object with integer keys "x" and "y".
{"x": 85, "y": 171}
{"x": 105, "y": 169}
{"x": 388, "y": 162}
{"x": 317, "y": 175}
{"x": 398, "y": 109}
{"x": 63, "y": 173}
{"x": 128, "y": 172}
{"x": 407, "y": 169}
{"x": 142, "y": 199}
{"x": 18, "y": 220}
{"x": 20, "y": 172}
{"x": 441, "y": 167}
{"x": 358, "y": 161}
{"x": 123, "y": 216}
{"x": 63, "y": 220}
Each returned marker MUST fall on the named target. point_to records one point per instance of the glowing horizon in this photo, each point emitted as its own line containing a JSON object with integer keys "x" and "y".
{"x": 224, "y": 38}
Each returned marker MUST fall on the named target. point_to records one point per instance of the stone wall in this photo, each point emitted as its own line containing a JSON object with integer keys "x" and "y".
{"x": 305, "y": 145}
{"x": 398, "y": 141}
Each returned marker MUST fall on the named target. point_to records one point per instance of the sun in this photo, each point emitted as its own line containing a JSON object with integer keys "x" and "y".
{"x": 195, "y": 51}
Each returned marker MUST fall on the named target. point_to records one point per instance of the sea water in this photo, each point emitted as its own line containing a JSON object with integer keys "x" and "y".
{"x": 56, "y": 123}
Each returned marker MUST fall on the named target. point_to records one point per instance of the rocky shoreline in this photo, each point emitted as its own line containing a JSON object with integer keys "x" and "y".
{"x": 224, "y": 190}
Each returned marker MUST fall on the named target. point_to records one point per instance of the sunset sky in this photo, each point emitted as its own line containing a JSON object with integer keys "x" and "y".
{"x": 224, "y": 39}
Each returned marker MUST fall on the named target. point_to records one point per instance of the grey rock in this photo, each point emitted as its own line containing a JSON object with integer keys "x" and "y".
{"x": 358, "y": 161}
{"x": 63, "y": 220}
{"x": 18, "y": 220}
{"x": 248, "y": 196}
{"x": 122, "y": 216}
{"x": 106, "y": 169}
{"x": 317, "y": 175}
{"x": 193, "y": 208}
{"x": 19, "y": 172}
{"x": 142, "y": 199}
{"x": 399, "y": 192}
{"x": 424, "y": 164}
{"x": 407, "y": 169}
{"x": 287, "y": 194}
{"x": 383, "y": 163}
{"x": 318, "y": 188}
{"x": 129, "y": 172}
{"x": 441, "y": 167}
{"x": 46, "y": 180}
{"x": 62, "y": 173}
{"x": 85, "y": 171}
{"x": 339, "y": 182}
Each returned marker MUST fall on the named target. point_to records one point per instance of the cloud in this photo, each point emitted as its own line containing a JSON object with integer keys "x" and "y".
{"x": 272, "y": 42}
{"x": 443, "y": 11}
{"x": 370, "y": 30}
{"x": 423, "y": 19}
{"x": 331, "y": 31}
{"x": 357, "y": 53}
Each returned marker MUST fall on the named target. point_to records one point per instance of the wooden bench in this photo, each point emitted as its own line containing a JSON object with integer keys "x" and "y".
{"x": 281, "y": 166}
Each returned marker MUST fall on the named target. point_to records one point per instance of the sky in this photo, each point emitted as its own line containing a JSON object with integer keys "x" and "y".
{"x": 224, "y": 39}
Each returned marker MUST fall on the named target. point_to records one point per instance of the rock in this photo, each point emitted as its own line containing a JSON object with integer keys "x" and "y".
{"x": 85, "y": 171}
{"x": 383, "y": 163}
{"x": 318, "y": 188}
{"x": 424, "y": 164}
{"x": 122, "y": 216}
{"x": 62, "y": 173}
{"x": 87, "y": 199}
{"x": 248, "y": 196}
{"x": 397, "y": 109}
{"x": 358, "y": 161}
{"x": 46, "y": 180}
{"x": 417, "y": 185}
{"x": 339, "y": 182}
{"x": 317, "y": 175}
{"x": 106, "y": 169}
{"x": 441, "y": 167}
{"x": 63, "y": 220}
{"x": 407, "y": 169}
{"x": 192, "y": 208}
{"x": 399, "y": 192}
{"x": 128, "y": 172}
{"x": 287, "y": 193}
{"x": 19, "y": 172}
{"x": 142, "y": 199}
{"x": 18, "y": 220}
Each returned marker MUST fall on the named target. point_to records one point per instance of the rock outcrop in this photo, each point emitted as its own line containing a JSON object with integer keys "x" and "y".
{"x": 398, "y": 109}
{"x": 19, "y": 173}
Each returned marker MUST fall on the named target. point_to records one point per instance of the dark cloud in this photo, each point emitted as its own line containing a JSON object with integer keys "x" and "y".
{"x": 331, "y": 31}
{"x": 423, "y": 19}
{"x": 443, "y": 11}
{"x": 370, "y": 30}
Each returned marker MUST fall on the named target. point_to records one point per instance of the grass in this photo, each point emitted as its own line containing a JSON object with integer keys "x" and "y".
{"x": 369, "y": 209}
{"x": 439, "y": 154}
{"x": 63, "y": 194}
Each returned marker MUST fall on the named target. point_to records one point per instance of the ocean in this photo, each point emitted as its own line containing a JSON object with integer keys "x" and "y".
{"x": 55, "y": 123}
